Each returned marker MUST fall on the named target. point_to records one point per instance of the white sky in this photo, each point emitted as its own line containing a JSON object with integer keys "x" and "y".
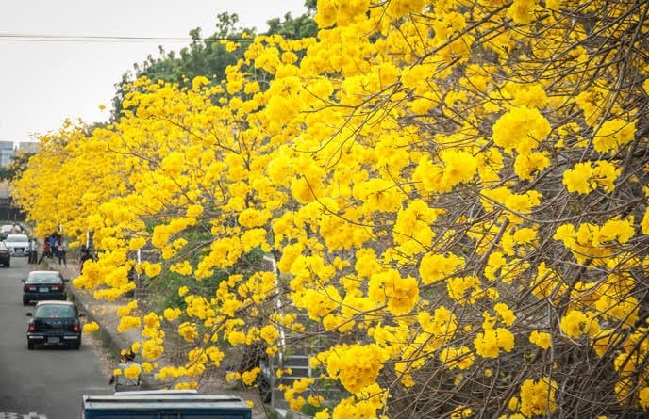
{"x": 44, "y": 82}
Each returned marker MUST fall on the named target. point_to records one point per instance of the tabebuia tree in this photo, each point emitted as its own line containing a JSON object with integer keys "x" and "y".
{"x": 453, "y": 193}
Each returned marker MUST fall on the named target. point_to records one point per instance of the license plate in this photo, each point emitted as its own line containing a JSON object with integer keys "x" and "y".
{"x": 53, "y": 340}
{"x": 43, "y": 289}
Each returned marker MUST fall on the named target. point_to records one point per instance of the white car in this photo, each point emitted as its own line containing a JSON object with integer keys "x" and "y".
{"x": 18, "y": 244}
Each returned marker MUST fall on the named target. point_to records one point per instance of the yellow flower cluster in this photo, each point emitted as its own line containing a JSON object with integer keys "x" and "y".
{"x": 355, "y": 366}
{"x": 577, "y": 323}
{"x": 587, "y": 176}
{"x": 490, "y": 342}
{"x": 541, "y": 338}
{"x": 90, "y": 327}
{"x": 187, "y": 331}
{"x": 129, "y": 322}
{"x": 538, "y": 397}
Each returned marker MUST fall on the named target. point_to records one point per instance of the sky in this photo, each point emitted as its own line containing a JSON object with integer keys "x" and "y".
{"x": 44, "y": 81}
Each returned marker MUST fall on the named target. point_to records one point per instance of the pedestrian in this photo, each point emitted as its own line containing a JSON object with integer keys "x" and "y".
{"x": 47, "y": 250}
{"x": 128, "y": 375}
{"x": 85, "y": 254}
{"x": 32, "y": 257}
{"x": 61, "y": 248}
{"x": 52, "y": 238}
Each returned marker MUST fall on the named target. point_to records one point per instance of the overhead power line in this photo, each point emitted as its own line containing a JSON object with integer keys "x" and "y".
{"x": 87, "y": 38}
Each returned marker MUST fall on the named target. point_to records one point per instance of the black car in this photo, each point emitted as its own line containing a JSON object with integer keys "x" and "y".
{"x": 54, "y": 322}
{"x": 5, "y": 255}
{"x": 43, "y": 285}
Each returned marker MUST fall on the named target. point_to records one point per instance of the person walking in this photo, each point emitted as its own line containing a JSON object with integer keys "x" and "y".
{"x": 47, "y": 250}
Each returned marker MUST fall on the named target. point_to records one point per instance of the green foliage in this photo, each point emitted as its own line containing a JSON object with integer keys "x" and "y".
{"x": 209, "y": 57}
{"x": 16, "y": 167}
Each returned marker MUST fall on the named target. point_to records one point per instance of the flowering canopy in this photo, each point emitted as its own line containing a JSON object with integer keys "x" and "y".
{"x": 453, "y": 194}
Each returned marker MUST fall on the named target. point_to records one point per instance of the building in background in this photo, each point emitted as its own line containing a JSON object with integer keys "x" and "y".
{"x": 8, "y": 150}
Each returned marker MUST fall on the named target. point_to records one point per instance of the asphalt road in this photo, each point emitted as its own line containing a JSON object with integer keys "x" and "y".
{"x": 45, "y": 382}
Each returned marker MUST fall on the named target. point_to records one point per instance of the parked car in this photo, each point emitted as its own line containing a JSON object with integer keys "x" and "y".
{"x": 43, "y": 285}
{"x": 4, "y": 231}
{"x": 5, "y": 255}
{"x": 54, "y": 322}
{"x": 18, "y": 244}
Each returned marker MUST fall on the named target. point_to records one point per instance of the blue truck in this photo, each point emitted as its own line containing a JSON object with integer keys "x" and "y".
{"x": 164, "y": 404}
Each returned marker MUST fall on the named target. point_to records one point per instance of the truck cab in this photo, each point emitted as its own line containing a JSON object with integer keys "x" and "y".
{"x": 164, "y": 404}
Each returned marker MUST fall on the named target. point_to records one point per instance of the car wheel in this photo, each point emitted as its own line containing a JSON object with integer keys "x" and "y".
{"x": 25, "y": 302}
{"x": 77, "y": 344}
{"x": 30, "y": 346}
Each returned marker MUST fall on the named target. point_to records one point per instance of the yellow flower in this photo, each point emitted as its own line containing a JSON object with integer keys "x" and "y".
{"x": 527, "y": 165}
{"x": 315, "y": 400}
{"x": 522, "y": 11}
{"x": 171, "y": 313}
{"x": 152, "y": 270}
{"x": 521, "y": 129}
{"x": 580, "y": 179}
{"x": 613, "y": 134}
{"x": 250, "y": 377}
{"x": 538, "y": 397}
{"x": 188, "y": 331}
{"x": 90, "y": 327}
{"x": 644, "y": 398}
{"x": 236, "y": 338}
{"x": 129, "y": 322}
{"x": 459, "y": 167}
{"x": 489, "y": 343}
{"x": 132, "y": 371}
{"x": 356, "y": 366}
{"x": 541, "y": 339}
{"x": 576, "y": 323}
{"x": 435, "y": 267}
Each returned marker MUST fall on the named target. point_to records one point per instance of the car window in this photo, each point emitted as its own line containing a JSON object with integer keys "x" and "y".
{"x": 43, "y": 278}
{"x": 16, "y": 237}
{"x": 54, "y": 311}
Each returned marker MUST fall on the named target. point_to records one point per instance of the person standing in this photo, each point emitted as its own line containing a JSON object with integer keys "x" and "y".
{"x": 32, "y": 257}
{"x": 61, "y": 248}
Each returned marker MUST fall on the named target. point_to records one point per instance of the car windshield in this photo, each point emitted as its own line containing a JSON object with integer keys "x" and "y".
{"x": 54, "y": 311}
{"x": 43, "y": 278}
{"x": 16, "y": 237}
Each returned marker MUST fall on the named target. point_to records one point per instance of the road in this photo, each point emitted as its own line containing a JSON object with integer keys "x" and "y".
{"x": 46, "y": 382}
